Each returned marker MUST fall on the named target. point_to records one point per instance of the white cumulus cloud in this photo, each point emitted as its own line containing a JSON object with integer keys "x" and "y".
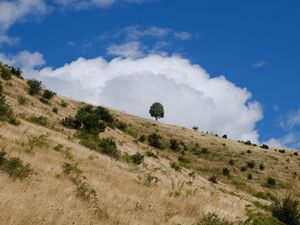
{"x": 190, "y": 96}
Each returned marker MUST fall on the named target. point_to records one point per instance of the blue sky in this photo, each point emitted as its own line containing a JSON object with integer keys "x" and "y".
{"x": 254, "y": 44}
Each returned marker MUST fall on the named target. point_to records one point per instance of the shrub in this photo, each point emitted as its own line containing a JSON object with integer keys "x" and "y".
{"x": 69, "y": 122}
{"x": 14, "y": 167}
{"x": 48, "y": 94}
{"x": 6, "y": 113}
{"x": 142, "y": 138}
{"x": 243, "y": 168}
{"x": 16, "y": 71}
{"x": 63, "y": 104}
{"x": 286, "y": 210}
{"x": 22, "y": 100}
{"x": 226, "y": 171}
{"x": 55, "y": 110}
{"x": 137, "y": 158}
{"x": 184, "y": 160}
{"x": 249, "y": 151}
{"x": 247, "y": 142}
{"x": 34, "y": 86}
{"x": 282, "y": 151}
{"x": 40, "y": 120}
{"x": 261, "y": 166}
{"x": 261, "y": 219}
{"x": 251, "y": 164}
{"x": 109, "y": 147}
{"x": 5, "y": 74}
{"x": 224, "y": 136}
{"x": 249, "y": 176}
{"x": 264, "y": 146}
{"x": 174, "y": 145}
{"x": 231, "y": 162}
{"x": 155, "y": 141}
{"x": 271, "y": 182}
{"x": 175, "y": 166}
{"x": 212, "y": 219}
{"x": 296, "y": 153}
{"x": 213, "y": 179}
{"x": 45, "y": 101}
{"x": 121, "y": 126}
{"x": 195, "y": 128}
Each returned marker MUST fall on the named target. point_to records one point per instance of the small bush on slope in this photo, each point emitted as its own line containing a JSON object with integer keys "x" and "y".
{"x": 34, "y": 86}
{"x": 155, "y": 141}
{"x": 14, "y": 167}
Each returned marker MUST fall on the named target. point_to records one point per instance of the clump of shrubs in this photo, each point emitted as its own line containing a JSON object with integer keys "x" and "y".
{"x": 109, "y": 147}
{"x": 286, "y": 210}
{"x": 184, "y": 160}
{"x": 34, "y": 86}
{"x": 6, "y": 113}
{"x": 22, "y": 100}
{"x": 14, "y": 167}
{"x": 40, "y": 120}
{"x": 90, "y": 120}
{"x": 55, "y": 110}
{"x": 231, "y": 162}
{"x": 151, "y": 154}
{"x": 16, "y": 71}
{"x": 264, "y": 146}
{"x": 142, "y": 138}
{"x": 155, "y": 141}
{"x": 282, "y": 151}
{"x": 48, "y": 94}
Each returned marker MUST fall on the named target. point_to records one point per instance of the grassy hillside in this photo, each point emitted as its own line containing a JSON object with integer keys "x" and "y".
{"x": 51, "y": 174}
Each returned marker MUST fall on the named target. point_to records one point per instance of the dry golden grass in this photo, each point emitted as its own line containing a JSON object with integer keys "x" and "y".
{"x": 124, "y": 194}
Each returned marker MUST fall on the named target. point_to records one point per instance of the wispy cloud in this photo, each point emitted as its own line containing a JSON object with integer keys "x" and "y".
{"x": 127, "y": 50}
{"x": 259, "y": 64}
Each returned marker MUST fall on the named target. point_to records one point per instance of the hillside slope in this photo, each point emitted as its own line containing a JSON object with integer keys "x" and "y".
{"x": 73, "y": 184}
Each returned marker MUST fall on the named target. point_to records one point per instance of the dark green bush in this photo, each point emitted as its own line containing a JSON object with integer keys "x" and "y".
{"x": 226, "y": 171}
{"x": 16, "y": 71}
{"x": 109, "y": 147}
{"x": 142, "y": 138}
{"x": 34, "y": 86}
{"x": 55, "y": 110}
{"x": 213, "y": 179}
{"x": 137, "y": 158}
{"x": 231, "y": 162}
{"x": 261, "y": 166}
{"x": 264, "y": 146}
{"x": 174, "y": 145}
{"x": 22, "y": 100}
{"x": 14, "y": 167}
{"x": 155, "y": 141}
{"x": 286, "y": 210}
{"x": 48, "y": 94}
{"x": 271, "y": 182}
{"x": 250, "y": 177}
{"x": 212, "y": 219}
{"x": 45, "y": 101}
{"x": 151, "y": 154}
{"x": 63, "y": 104}
{"x": 6, "y": 113}
{"x": 40, "y": 120}
{"x": 261, "y": 219}
{"x": 251, "y": 164}
{"x": 5, "y": 74}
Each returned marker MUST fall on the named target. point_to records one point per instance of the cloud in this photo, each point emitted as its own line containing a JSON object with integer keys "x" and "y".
{"x": 259, "y": 65}
{"x": 183, "y": 36}
{"x": 87, "y": 4}
{"x": 127, "y": 50}
{"x": 290, "y": 124}
{"x": 26, "y": 60}
{"x": 290, "y": 121}
{"x": 14, "y": 11}
{"x": 190, "y": 96}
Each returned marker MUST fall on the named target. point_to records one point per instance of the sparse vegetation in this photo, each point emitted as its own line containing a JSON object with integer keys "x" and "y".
{"x": 174, "y": 145}
{"x": 287, "y": 210}
{"x": 226, "y": 171}
{"x": 14, "y": 166}
{"x": 213, "y": 179}
{"x": 40, "y": 120}
{"x": 5, "y": 74}
{"x": 22, "y": 100}
{"x": 212, "y": 219}
{"x": 175, "y": 166}
{"x": 271, "y": 182}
